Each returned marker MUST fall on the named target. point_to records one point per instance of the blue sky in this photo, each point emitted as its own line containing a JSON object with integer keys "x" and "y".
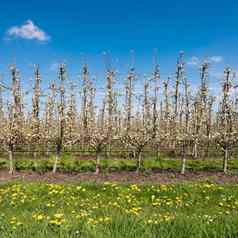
{"x": 61, "y": 31}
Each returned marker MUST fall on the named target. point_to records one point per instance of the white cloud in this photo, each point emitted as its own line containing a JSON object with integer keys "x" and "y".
{"x": 194, "y": 61}
{"x": 215, "y": 59}
{"x": 28, "y": 31}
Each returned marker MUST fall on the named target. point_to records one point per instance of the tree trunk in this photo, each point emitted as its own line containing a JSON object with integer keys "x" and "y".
{"x": 97, "y": 171}
{"x": 225, "y": 161}
{"x": 139, "y": 162}
{"x": 47, "y": 150}
{"x": 207, "y": 150}
{"x": 157, "y": 154}
{"x": 195, "y": 150}
{"x": 183, "y": 167}
{"x": 159, "y": 158}
{"x": 57, "y": 157}
{"x": 108, "y": 152}
{"x": 11, "y": 168}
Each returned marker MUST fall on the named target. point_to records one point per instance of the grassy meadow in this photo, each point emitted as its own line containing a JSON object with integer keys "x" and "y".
{"x": 193, "y": 210}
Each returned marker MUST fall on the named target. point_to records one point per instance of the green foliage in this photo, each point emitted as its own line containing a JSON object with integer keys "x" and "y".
{"x": 85, "y": 166}
{"x": 69, "y": 164}
{"x": 24, "y": 165}
{"x": 43, "y": 166}
{"x": 3, "y": 164}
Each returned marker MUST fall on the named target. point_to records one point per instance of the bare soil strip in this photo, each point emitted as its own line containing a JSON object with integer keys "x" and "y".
{"x": 119, "y": 177}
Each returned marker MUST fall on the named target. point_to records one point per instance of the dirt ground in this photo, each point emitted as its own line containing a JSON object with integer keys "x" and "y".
{"x": 120, "y": 177}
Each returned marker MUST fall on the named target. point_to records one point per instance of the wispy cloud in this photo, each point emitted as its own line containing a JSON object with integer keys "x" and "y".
{"x": 195, "y": 61}
{"x": 215, "y": 59}
{"x": 28, "y": 31}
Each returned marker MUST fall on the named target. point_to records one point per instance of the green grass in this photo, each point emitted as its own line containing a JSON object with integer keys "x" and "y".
{"x": 70, "y": 165}
{"x": 112, "y": 210}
